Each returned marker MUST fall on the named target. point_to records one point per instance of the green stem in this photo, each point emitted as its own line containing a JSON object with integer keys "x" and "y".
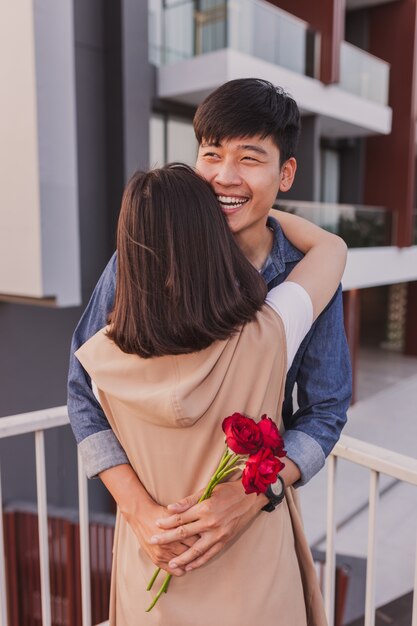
{"x": 224, "y": 461}
{"x": 214, "y": 479}
{"x": 230, "y": 471}
{"x": 232, "y": 463}
{"x": 162, "y": 590}
{"x": 152, "y": 580}
{"x": 226, "y": 466}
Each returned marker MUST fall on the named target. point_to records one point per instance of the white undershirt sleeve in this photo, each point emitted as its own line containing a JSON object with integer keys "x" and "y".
{"x": 294, "y": 306}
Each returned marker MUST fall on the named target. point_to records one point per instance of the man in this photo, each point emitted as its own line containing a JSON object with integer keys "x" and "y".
{"x": 247, "y": 132}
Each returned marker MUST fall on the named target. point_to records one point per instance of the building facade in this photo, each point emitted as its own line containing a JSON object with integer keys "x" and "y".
{"x": 95, "y": 90}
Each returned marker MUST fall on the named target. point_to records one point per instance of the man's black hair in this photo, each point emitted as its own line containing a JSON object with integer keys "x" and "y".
{"x": 247, "y": 107}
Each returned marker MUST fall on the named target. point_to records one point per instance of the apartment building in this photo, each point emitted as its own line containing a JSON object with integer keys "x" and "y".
{"x": 93, "y": 90}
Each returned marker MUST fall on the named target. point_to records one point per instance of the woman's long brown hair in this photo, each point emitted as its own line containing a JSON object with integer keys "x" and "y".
{"x": 182, "y": 281}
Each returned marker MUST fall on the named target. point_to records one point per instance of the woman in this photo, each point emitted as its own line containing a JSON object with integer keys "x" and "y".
{"x": 190, "y": 342}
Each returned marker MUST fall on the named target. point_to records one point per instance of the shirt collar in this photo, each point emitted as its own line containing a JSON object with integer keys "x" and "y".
{"x": 282, "y": 252}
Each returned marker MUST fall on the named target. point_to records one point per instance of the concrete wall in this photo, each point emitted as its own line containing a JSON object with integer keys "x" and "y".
{"x": 35, "y": 340}
{"x": 39, "y": 243}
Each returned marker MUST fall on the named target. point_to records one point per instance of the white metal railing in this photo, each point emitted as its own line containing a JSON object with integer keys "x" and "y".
{"x": 364, "y": 74}
{"x": 180, "y": 31}
{"x": 37, "y": 422}
{"x": 379, "y": 461}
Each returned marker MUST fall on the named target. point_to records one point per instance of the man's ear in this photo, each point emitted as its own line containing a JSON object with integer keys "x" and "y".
{"x": 287, "y": 174}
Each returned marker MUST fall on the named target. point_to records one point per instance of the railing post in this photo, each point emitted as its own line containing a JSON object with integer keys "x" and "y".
{"x": 43, "y": 527}
{"x": 371, "y": 556}
{"x": 3, "y": 590}
{"x": 330, "y": 571}
{"x": 84, "y": 544}
{"x": 414, "y": 618}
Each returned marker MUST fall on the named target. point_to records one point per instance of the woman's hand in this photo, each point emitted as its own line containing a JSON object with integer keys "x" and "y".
{"x": 216, "y": 520}
{"x": 140, "y": 512}
{"x": 144, "y": 527}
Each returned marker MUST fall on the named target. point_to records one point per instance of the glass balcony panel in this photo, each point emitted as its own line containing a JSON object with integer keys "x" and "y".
{"x": 178, "y": 35}
{"x": 210, "y": 26}
{"x": 363, "y": 74}
{"x": 359, "y": 226}
{"x": 250, "y": 26}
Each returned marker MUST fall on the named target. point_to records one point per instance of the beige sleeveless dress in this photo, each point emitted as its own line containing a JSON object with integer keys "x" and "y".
{"x": 167, "y": 414}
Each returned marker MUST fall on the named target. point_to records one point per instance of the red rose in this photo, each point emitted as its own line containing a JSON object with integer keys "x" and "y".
{"x": 242, "y": 434}
{"x": 260, "y": 471}
{"x": 271, "y": 436}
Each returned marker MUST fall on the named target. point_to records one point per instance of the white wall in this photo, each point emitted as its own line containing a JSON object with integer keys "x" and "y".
{"x": 39, "y": 238}
{"x": 20, "y": 234}
{"x": 370, "y": 267}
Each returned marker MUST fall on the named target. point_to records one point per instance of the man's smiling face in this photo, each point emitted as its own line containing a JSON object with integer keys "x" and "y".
{"x": 245, "y": 175}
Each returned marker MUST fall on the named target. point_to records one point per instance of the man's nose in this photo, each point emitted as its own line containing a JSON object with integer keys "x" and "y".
{"x": 228, "y": 174}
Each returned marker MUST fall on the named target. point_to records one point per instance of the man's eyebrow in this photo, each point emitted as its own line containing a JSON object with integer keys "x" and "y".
{"x": 245, "y": 146}
{"x": 253, "y": 148}
{"x": 211, "y": 144}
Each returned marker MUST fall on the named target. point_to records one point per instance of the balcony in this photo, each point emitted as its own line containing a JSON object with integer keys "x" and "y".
{"x": 363, "y": 74}
{"x": 369, "y": 233}
{"x": 376, "y": 460}
{"x": 286, "y": 40}
{"x": 359, "y": 226}
{"x": 196, "y": 51}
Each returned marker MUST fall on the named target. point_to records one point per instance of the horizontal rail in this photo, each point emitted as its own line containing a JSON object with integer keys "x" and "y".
{"x": 35, "y": 420}
{"x": 363, "y": 453}
{"x": 379, "y": 461}
{"x": 3, "y": 594}
{"x": 376, "y": 458}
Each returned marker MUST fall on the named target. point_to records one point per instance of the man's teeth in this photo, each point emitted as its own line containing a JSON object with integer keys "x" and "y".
{"x": 231, "y": 201}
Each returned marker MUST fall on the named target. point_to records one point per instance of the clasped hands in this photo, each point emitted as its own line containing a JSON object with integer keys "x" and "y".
{"x": 196, "y": 532}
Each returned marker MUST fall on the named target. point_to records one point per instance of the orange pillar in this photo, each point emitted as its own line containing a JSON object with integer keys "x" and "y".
{"x": 390, "y": 159}
{"x": 410, "y": 347}
{"x": 351, "y": 312}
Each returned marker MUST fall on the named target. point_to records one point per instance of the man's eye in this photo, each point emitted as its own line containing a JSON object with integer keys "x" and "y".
{"x": 249, "y": 158}
{"x": 210, "y": 154}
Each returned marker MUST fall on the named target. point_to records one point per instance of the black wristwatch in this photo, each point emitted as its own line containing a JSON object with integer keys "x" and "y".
{"x": 275, "y": 494}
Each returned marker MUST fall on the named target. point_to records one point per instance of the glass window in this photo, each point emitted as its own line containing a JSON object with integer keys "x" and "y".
{"x": 330, "y": 176}
{"x": 157, "y": 141}
{"x": 171, "y": 139}
{"x": 181, "y": 142}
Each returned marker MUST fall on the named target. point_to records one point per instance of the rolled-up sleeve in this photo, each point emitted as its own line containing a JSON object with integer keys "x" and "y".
{"x": 98, "y": 445}
{"x": 322, "y": 371}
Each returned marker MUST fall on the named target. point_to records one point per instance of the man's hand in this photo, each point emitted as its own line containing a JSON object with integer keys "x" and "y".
{"x": 145, "y": 527}
{"x": 140, "y": 512}
{"x": 217, "y": 520}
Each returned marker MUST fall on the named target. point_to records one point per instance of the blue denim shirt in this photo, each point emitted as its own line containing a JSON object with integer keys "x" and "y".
{"x": 321, "y": 369}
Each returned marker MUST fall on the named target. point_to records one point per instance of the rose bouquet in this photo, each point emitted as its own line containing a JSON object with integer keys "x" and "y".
{"x": 255, "y": 448}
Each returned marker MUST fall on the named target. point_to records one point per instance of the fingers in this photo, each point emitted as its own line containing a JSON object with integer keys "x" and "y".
{"x": 202, "y": 560}
{"x": 178, "y": 519}
{"x": 179, "y": 533}
{"x": 189, "y": 541}
{"x": 185, "y": 503}
{"x": 161, "y": 555}
{"x": 199, "y": 554}
{"x": 177, "y": 571}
